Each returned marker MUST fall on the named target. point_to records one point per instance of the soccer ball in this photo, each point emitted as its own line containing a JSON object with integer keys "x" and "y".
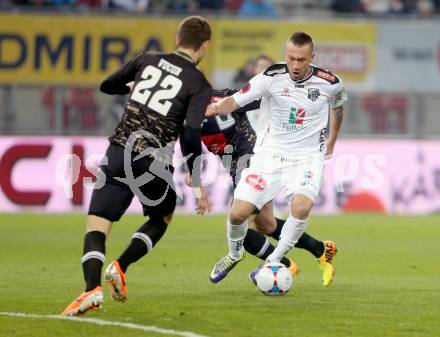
{"x": 274, "y": 279}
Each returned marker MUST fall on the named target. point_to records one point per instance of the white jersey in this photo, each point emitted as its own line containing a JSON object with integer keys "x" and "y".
{"x": 297, "y": 110}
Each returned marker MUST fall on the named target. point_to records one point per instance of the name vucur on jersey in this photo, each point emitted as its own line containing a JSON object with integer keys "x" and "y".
{"x": 168, "y": 91}
{"x": 298, "y": 110}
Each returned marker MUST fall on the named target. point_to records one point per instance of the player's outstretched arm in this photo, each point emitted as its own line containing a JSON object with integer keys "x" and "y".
{"x": 336, "y": 118}
{"x": 223, "y": 107}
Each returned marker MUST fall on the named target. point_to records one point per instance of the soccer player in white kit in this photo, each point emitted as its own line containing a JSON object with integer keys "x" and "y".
{"x": 289, "y": 156}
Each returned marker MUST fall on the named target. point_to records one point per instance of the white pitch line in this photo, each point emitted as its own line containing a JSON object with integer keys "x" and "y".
{"x": 97, "y": 321}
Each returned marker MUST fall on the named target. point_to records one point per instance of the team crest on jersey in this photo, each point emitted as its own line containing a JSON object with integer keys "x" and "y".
{"x": 256, "y": 182}
{"x": 285, "y": 92}
{"x": 313, "y": 94}
{"x": 246, "y": 88}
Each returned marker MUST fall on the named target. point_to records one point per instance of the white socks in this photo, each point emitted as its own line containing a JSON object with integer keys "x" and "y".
{"x": 236, "y": 235}
{"x": 291, "y": 232}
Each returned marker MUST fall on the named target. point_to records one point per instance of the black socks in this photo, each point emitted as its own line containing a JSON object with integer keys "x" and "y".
{"x": 142, "y": 242}
{"x": 310, "y": 244}
{"x": 93, "y": 258}
{"x": 258, "y": 245}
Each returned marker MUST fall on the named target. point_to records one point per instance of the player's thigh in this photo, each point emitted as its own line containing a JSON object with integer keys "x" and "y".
{"x": 154, "y": 187}
{"x": 110, "y": 200}
{"x": 265, "y": 221}
{"x": 305, "y": 181}
{"x": 258, "y": 185}
{"x": 158, "y": 199}
{"x": 305, "y": 186}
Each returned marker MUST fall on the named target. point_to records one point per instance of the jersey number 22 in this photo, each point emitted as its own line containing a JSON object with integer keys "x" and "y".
{"x": 159, "y": 101}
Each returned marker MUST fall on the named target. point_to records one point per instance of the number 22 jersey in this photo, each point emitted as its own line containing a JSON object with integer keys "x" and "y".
{"x": 169, "y": 91}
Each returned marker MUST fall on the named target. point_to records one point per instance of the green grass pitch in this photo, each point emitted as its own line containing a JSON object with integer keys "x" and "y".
{"x": 387, "y": 280}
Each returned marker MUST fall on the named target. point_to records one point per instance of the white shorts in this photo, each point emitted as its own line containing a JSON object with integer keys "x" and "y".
{"x": 270, "y": 174}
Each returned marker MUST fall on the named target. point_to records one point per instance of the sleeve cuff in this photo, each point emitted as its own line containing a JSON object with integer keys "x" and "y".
{"x": 239, "y": 99}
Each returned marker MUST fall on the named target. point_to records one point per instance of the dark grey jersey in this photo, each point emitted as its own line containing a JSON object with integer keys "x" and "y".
{"x": 168, "y": 91}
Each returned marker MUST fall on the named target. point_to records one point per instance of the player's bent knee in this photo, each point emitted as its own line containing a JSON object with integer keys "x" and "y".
{"x": 300, "y": 212}
{"x": 301, "y": 206}
{"x": 240, "y": 211}
{"x": 237, "y": 217}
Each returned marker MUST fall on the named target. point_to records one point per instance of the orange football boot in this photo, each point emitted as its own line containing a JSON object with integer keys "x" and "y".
{"x": 89, "y": 300}
{"x": 294, "y": 270}
{"x": 115, "y": 278}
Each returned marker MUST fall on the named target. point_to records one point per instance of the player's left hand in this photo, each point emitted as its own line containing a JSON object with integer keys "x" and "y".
{"x": 203, "y": 203}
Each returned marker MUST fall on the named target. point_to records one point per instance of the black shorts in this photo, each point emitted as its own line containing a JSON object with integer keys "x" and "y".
{"x": 157, "y": 196}
{"x": 243, "y": 151}
{"x": 238, "y": 164}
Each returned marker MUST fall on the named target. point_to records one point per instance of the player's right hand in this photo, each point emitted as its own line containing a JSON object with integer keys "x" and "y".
{"x": 212, "y": 110}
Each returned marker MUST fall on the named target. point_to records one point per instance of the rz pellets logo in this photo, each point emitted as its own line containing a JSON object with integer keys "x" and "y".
{"x": 296, "y": 116}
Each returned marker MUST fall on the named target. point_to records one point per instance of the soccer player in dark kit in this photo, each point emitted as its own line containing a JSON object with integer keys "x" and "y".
{"x": 169, "y": 96}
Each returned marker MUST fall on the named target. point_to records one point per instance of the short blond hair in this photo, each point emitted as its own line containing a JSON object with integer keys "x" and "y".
{"x": 301, "y": 39}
